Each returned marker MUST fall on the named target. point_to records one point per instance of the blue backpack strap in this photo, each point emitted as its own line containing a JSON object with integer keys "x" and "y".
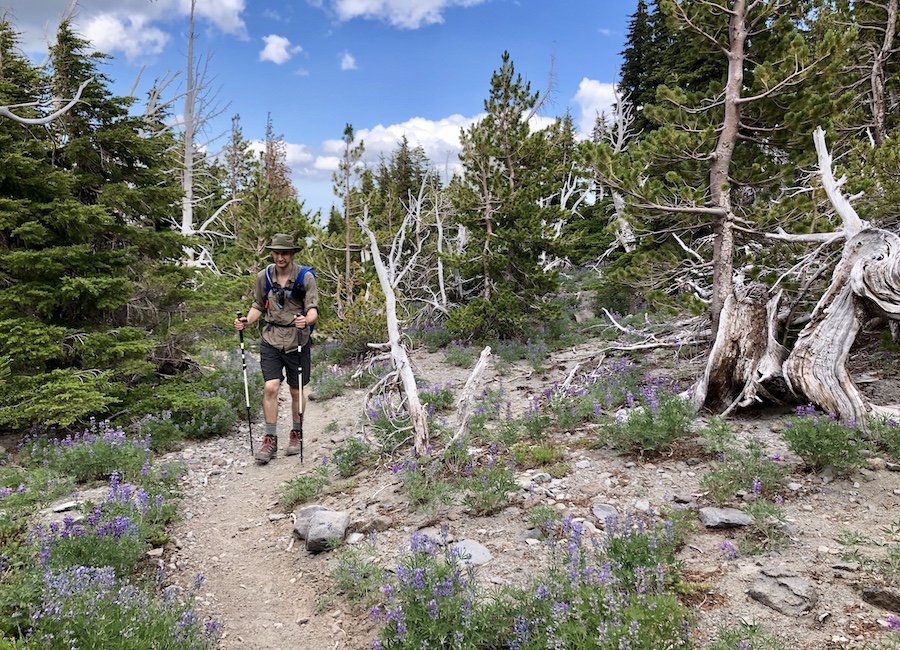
{"x": 268, "y": 279}
{"x": 299, "y": 290}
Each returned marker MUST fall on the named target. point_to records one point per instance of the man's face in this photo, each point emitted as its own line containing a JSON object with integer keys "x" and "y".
{"x": 282, "y": 259}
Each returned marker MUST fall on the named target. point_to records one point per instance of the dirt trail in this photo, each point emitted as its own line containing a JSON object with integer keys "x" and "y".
{"x": 265, "y": 594}
{"x": 272, "y": 598}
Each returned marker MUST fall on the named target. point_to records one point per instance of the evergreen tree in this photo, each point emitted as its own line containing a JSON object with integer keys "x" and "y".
{"x": 83, "y": 201}
{"x": 507, "y": 170}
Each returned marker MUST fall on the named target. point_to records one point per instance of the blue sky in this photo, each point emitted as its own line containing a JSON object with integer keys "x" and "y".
{"x": 389, "y": 67}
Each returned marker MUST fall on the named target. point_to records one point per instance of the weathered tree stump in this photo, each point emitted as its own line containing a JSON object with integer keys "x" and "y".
{"x": 865, "y": 283}
{"x": 745, "y": 353}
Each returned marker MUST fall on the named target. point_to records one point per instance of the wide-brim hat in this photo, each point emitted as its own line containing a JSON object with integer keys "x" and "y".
{"x": 282, "y": 242}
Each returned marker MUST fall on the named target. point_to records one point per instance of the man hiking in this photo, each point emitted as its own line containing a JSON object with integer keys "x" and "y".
{"x": 285, "y": 296}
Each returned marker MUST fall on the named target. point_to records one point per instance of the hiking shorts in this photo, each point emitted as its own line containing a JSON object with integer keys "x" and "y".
{"x": 277, "y": 363}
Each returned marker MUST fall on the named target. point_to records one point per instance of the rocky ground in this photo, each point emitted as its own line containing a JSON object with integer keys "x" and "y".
{"x": 271, "y": 593}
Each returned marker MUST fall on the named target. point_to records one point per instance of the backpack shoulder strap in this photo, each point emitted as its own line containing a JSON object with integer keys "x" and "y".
{"x": 268, "y": 286}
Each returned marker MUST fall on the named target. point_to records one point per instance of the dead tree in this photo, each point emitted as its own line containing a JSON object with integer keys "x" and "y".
{"x": 389, "y": 276}
{"x": 864, "y": 284}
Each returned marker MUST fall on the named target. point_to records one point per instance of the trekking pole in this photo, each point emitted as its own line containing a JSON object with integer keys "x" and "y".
{"x": 246, "y": 387}
{"x": 300, "y": 375}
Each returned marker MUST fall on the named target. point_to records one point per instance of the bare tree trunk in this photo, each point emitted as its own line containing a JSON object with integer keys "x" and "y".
{"x": 624, "y": 231}
{"x": 719, "y": 184}
{"x": 399, "y": 356}
{"x": 879, "y": 111}
{"x": 467, "y": 397}
{"x": 187, "y": 177}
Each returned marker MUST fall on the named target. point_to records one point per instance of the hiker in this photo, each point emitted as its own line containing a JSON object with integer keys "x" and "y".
{"x": 285, "y": 296}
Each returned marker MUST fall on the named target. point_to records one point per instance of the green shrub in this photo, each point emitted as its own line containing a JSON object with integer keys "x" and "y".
{"x": 767, "y": 532}
{"x": 747, "y": 469}
{"x": 823, "y": 441}
{"x": 489, "y": 486}
{"x": 422, "y": 483}
{"x": 459, "y": 355}
{"x": 662, "y": 419}
{"x": 530, "y": 456}
{"x": 328, "y": 381}
{"x": 349, "y": 455}
{"x": 358, "y": 575}
{"x": 544, "y": 517}
{"x": 433, "y": 337}
{"x": 437, "y": 398}
{"x": 303, "y": 488}
{"x": 76, "y": 600}
{"x": 364, "y": 322}
{"x": 77, "y": 395}
{"x": 746, "y": 637}
{"x": 888, "y": 436}
{"x": 504, "y": 316}
{"x": 94, "y": 454}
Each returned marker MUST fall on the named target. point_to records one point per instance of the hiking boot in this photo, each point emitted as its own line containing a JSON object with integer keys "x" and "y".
{"x": 293, "y": 447}
{"x": 268, "y": 450}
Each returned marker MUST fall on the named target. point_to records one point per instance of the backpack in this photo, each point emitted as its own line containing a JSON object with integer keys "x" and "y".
{"x": 298, "y": 291}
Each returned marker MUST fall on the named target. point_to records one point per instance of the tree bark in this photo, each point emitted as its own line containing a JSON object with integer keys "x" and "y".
{"x": 745, "y": 354}
{"x": 187, "y": 178}
{"x": 720, "y": 190}
{"x": 877, "y": 77}
{"x": 865, "y": 283}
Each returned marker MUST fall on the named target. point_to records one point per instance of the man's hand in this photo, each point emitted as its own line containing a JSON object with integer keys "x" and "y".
{"x": 300, "y": 321}
{"x": 240, "y": 323}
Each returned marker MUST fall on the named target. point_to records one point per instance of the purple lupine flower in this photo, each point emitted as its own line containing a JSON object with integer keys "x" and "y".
{"x": 729, "y": 550}
{"x": 756, "y": 486}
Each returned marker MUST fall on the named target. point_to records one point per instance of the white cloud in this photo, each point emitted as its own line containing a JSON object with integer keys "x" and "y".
{"x": 406, "y": 14}
{"x": 278, "y": 49}
{"x": 325, "y": 163}
{"x": 593, "y": 97}
{"x": 133, "y": 37}
{"x": 348, "y": 61}
{"x": 131, "y": 27}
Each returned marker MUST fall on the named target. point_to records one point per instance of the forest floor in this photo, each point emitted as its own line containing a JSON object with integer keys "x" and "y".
{"x": 270, "y": 593}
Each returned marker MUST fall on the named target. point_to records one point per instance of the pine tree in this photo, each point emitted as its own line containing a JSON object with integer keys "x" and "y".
{"x": 507, "y": 171}
{"x": 84, "y": 198}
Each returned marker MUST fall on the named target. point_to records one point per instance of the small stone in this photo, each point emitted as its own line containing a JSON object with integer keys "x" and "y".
{"x": 604, "y": 511}
{"x": 877, "y": 464}
{"x": 824, "y": 550}
{"x": 682, "y": 498}
{"x": 277, "y": 516}
{"x": 155, "y": 552}
{"x": 794, "y": 486}
{"x": 692, "y": 462}
{"x": 472, "y": 552}
{"x": 541, "y": 477}
{"x": 532, "y": 542}
{"x": 583, "y": 464}
{"x": 724, "y": 517}
{"x": 355, "y": 538}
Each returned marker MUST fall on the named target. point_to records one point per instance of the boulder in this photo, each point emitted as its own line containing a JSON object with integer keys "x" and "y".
{"x": 325, "y": 528}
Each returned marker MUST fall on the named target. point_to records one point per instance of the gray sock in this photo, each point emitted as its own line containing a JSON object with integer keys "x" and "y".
{"x": 297, "y": 425}
{"x": 271, "y": 429}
